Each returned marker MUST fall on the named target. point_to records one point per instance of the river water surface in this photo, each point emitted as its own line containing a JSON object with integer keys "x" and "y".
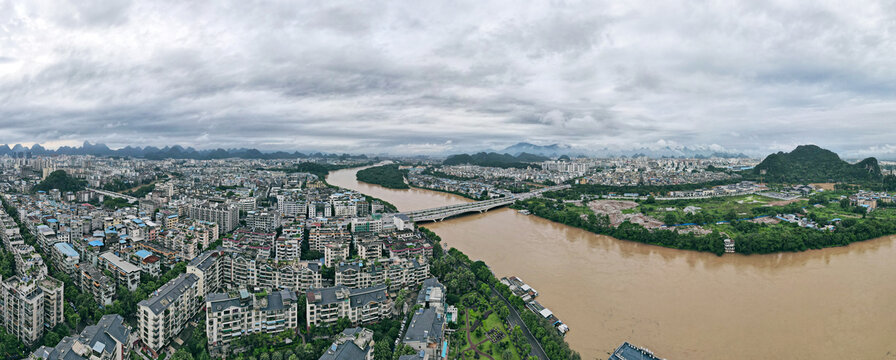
{"x": 819, "y": 304}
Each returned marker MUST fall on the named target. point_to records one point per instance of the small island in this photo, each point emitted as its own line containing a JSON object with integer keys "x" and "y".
{"x": 388, "y": 176}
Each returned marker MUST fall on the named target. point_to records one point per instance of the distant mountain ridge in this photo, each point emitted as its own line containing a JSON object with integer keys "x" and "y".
{"x": 810, "y": 163}
{"x": 557, "y": 150}
{"x": 492, "y": 159}
{"x": 167, "y": 152}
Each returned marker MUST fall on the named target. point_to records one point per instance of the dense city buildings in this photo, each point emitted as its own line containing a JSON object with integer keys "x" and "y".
{"x": 225, "y": 249}
{"x": 235, "y": 314}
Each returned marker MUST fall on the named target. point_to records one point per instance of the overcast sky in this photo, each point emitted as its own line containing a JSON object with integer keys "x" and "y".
{"x": 453, "y": 76}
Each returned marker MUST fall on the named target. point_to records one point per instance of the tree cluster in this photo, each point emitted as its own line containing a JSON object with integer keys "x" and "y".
{"x": 386, "y": 176}
{"x": 61, "y": 180}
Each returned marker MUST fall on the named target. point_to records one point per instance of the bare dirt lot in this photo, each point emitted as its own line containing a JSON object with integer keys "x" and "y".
{"x": 826, "y": 186}
{"x": 766, "y": 220}
{"x": 784, "y": 202}
{"x": 613, "y": 209}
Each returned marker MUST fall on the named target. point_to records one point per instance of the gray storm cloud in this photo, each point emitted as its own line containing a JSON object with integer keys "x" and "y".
{"x": 450, "y": 76}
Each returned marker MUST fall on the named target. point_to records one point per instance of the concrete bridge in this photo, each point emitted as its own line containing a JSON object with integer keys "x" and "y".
{"x": 129, "y": 198}
{"x": 441, "y": 213}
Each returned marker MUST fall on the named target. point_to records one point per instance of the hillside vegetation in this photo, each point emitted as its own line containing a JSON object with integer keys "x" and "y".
{"x": 505, "y": 161}
{"x": 386, "y": 176}
{"x": 61, "y": 180}
{"x": 810, "y": 163}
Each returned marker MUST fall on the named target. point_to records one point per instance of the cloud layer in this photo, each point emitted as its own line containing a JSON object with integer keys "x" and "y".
{"x": 451, "y": 76}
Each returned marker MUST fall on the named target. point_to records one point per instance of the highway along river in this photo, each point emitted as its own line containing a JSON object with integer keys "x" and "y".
{"x": 819, "y": 304}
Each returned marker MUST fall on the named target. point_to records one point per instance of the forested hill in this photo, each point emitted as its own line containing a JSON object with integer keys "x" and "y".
{"x": 810, "y": 163}
{"x": 496, "y": 160}
{"x": 61, "y": 180}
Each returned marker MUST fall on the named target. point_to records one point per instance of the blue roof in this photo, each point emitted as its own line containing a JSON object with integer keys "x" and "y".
{"x": 52, "y": 220}
{"x": 66, "y": 249}
{"x": 172, "y": 216}
{"x": 143, "y": 254}
{"x": 95, "y": 243}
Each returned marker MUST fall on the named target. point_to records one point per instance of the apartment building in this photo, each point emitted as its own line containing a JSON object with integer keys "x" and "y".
{"x": 263, "y": 221}
{"x": 46, "y": 237}
{"x": 109, "y": 339}
{"x": 227, "y": 217}
{"x": 361, "y": 306}
{"x": 30, "y": 305}
{"x": 319, "y": 208}
{"x": 335, "y": 253}
{"x": 397, "y": 272}
{"x": 231, "y": 268}
{"x": 245, "y": 239}
{"x": 367, "y": 224}
{"x": 369, "y": 250}
{"x": 288, "y": 248}
{"x": 164, "y": 314}
{"x": 231, "y": 315}
{"x": 66, "y": 258}
{"x": 321, "y": 235}
{"x": 125, "y": 273}
{"x": 97, "y": 284}
{"x": 290, "y": 207}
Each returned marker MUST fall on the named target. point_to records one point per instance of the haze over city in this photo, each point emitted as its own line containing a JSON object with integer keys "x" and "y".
{"x": 450, "y": 77}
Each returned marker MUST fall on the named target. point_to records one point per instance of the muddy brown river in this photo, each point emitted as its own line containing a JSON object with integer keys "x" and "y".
{"x": 837, "y": 303}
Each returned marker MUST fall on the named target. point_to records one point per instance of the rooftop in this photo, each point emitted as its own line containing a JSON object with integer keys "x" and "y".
{"x": 166, "y": 294}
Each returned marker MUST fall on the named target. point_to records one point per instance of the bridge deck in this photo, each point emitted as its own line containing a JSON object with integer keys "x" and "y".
{"x": 440, "y": 213}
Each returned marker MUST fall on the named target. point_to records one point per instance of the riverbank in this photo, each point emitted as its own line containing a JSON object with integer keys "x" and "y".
{"x": 449, "y": 192}
{"x": 682, "y": 304}
{"x": 387, "y": 176}
{"x": 750, "y": 237}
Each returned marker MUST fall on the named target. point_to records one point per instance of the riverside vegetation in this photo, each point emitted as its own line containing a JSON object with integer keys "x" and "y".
{"x": 388, "y": 176}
